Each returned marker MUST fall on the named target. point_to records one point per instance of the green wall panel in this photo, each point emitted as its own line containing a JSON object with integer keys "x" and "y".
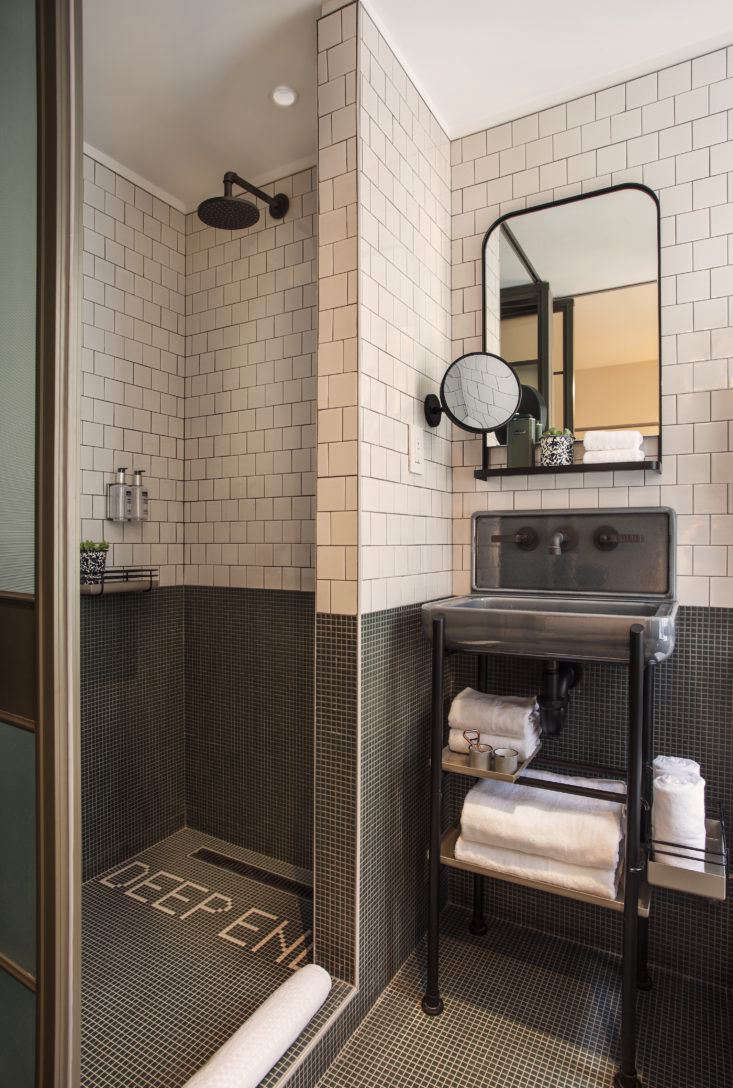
{"x": 17, "y": 1033}
{"x": 18, "y": 846}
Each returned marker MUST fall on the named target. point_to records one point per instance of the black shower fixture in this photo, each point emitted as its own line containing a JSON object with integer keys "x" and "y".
{"x": 232, "y": 212}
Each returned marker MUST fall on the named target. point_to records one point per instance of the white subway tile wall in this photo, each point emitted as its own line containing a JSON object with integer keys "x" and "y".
{"x": 673, "y": 131}
{"x": 404, "y": 333}
{"x": 336, "y": 530}
{"x": 251, "y": 324}
{"x": 132, "y": 364}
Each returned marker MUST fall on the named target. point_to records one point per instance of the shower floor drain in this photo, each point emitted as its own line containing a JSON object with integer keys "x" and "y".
{"x": 234, "y": 865}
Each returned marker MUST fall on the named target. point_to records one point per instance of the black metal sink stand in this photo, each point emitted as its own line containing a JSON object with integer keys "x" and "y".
{"x": 638, "y": 807}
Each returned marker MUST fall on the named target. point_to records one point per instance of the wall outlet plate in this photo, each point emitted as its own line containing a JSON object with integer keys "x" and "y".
{"x": 415, "y": 456}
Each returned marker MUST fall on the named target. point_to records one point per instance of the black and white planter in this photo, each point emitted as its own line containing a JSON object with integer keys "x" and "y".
{"x": 556, "y": 450}
{"x": 92, "y": 566}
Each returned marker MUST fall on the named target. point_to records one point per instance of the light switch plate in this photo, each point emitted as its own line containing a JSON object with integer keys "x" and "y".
{"x": 415, "y": 457}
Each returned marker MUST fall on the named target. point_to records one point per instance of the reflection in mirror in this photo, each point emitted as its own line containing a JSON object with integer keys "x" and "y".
{"x": 480, "y": 392}
{"x": 571, "y": 301}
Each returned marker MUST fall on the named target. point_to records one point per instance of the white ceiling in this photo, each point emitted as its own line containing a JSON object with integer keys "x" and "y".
{"x": 479, "y": 63}
{"x": 178, "y": 91}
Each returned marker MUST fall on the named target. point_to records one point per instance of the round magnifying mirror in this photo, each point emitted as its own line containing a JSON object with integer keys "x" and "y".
{"x": 480, "y": 392}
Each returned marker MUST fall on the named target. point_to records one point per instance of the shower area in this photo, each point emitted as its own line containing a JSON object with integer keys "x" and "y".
{"x": 197, "y": 645}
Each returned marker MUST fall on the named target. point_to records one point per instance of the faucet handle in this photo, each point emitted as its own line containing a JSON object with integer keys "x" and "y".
{"x": 525, "y": 538}
{"x": 606, "y": 538}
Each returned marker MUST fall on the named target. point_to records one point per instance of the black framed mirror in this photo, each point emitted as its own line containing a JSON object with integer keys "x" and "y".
{"x": 479, "y": 392}
{"x": 571, "y": 301}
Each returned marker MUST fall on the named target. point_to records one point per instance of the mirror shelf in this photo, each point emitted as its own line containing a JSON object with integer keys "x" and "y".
{"x": 576, "y": 467}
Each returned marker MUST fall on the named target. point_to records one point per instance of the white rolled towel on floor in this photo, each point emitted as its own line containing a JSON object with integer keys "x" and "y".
{"x": 678, "y": 816}
{"x": 612, "y": 440}
{"x": 676, "y": 765}
{"x": 579, "y": 878}
{"x": 600, "y": 457}
{"x": 565, "y": 827}
{"x": 263, "y": 1038}
{"x": 500, "y": 715}
{"x": 524, "y": 746}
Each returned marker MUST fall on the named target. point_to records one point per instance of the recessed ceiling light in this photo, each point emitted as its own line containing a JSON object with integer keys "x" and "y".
{"x": 284, "y": 95}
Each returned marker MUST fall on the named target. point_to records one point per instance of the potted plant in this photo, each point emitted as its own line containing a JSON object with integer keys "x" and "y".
{"x": 93, "y": 557}
{"x": 556, "y": 447}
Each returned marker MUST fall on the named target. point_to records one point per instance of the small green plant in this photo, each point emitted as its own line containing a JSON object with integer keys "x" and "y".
{"x": 94, "y": 546}
{"x": 555, "y": 432}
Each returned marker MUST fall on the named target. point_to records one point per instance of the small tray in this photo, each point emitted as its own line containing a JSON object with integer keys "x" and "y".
{"x": 692, "y": 870}
{"x": 457, "y": 763}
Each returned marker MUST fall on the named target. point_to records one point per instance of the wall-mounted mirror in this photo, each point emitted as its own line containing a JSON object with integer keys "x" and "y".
{"x": 571, "y": 301}
{"x": 479, "y": 393}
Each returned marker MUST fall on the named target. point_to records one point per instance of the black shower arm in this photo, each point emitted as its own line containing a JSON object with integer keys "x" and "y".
{"x": 230, "y": 178}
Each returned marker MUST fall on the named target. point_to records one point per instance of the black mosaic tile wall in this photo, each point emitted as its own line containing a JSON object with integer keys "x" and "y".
{"x": 335, "y": 883}
{"x": 395, "y": 784}
{"x": 249, "y": 718}
{"x": 132, "y": 724}
{"x": 693, "y": 715}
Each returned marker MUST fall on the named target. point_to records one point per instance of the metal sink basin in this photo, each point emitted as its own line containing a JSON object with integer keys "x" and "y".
{"x": 533, "y": 625}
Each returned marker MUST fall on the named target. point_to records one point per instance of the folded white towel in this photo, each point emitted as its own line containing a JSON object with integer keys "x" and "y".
{"x": 502, "y": 715}
{"x": 524, "y": 746}
{"x": 579, "y": 878}
{"x": 676, "y": 765}
{"x": 578, "y": 830}
{"x": 613, "y": 440}
{"x": 600, "y": 457}
{"x": 678, "y": 814}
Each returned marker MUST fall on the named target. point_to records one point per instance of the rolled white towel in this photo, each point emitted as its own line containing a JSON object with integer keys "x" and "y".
{"x": 251, "y": 1052}
{"x": 600, "y": 457}
{"x": 502, "y": 715}
{"x": 579, "y": 878}
{"x": 524, "y": 746}
{"x": 612, "y": 440}
{"x": 577, "y": 830}
{"x": 678, "y": 816}
{"x": 676, "y": 765}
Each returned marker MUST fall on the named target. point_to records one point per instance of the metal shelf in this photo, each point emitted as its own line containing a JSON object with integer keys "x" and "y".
{"x": 559, "y": 470}
{"x": 122, "y": 580}
{"x": 448, "y": 857}
{"x": 457, "y": 763}
{"x": 691, "y": 869}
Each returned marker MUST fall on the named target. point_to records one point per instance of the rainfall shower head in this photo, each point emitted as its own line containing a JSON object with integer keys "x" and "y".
{"x": 229, "y": 212}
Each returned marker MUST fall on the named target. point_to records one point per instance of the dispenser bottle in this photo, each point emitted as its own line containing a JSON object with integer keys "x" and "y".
{"x": 139, "y": 497}
{"x": 119, "y": 498}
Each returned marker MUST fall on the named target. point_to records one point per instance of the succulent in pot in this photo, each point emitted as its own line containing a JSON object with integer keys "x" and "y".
{"x": 92, "y": 561}
{"x": 556, "y": 447}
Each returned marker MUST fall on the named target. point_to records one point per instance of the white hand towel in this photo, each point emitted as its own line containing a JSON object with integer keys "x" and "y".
{"x": 524, "y": 746}
{"x": 678, "y": 816}
{"x": 502, "y": 715}
{"x": 579, "y": 878}
{"x": 612, "y": 440}
{"x": 600, "y": 457}
{"x": 251, "y": 1052}
{"x": 676, "y": 765}
{"x": 578, "y": 830}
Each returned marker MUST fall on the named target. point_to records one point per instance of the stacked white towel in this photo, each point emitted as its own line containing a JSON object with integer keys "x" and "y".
{"x": 608, "y": 446}
{"x": 557, "y": 838}
{"x": 678, "y": 811}
{"x": 503, "y": 721}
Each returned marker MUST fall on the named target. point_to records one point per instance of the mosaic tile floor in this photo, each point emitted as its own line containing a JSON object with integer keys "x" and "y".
{"x": 526, "y": 1011}
{"x": 170, "y": 968}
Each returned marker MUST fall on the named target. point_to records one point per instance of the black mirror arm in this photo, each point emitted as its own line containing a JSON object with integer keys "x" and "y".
{"x": 433, "y": 410}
